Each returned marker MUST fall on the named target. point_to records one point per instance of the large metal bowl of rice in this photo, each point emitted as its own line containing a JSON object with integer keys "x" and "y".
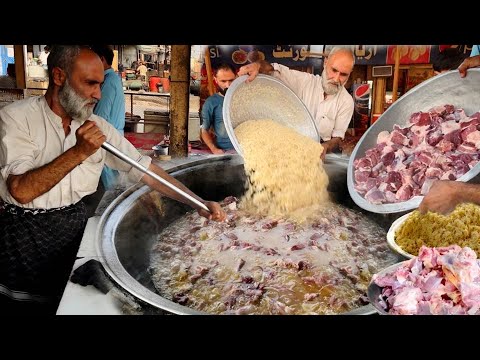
{"x": 265, "y": 98}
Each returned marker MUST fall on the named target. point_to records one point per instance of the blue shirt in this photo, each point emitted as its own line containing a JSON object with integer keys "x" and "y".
{"x": 111, "y": 106}
{"x": 475, "y": 50}
{"x": 212, "y": 116}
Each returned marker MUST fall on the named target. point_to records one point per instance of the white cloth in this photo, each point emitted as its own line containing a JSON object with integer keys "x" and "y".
{"x": 142, "y": 70}
{"x": 331, "y": 115}
{"x": 43, "y": 56}
{"x": 32, "y": 135}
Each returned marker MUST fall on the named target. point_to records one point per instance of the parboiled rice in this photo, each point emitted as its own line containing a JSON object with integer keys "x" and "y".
{"x": 461, "y": 227}
{"x": 286, "y": 176}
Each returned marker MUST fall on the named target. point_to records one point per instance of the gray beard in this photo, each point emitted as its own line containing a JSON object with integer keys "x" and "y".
{"x": 329, "y": 89}
{"x": 73, "y": 104}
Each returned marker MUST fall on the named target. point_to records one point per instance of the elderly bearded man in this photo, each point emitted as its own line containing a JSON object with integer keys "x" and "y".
{"x": 50, "y": 158}
{"x": 324, "y": 96}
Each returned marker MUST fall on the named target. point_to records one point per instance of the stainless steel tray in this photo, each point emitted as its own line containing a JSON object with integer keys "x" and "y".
{"x": 447, "y": 88}
{"x": 374, "y": 291}
{"x": 265, "y": 98}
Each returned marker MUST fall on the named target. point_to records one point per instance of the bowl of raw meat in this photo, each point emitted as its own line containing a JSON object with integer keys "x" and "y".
{"x": 374, "y": 291}
{"x": 432, "y": 132}
{"x": 439, "y": 281}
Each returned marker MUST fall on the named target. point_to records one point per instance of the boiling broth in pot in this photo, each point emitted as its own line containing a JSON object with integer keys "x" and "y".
{"x": 259, "y": 265}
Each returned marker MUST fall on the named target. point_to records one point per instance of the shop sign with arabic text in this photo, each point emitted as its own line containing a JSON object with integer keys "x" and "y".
{"x": 288, "y": 55}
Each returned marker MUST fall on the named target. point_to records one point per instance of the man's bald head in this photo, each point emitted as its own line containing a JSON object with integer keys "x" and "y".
{"x": 345, "y": 54}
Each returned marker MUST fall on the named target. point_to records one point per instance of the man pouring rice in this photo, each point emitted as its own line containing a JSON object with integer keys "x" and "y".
{"x": 324, "y": 96}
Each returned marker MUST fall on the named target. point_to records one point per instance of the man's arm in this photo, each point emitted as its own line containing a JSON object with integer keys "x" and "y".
{"x": 253, "y": 69}
{"x": 296, "y": 80}
{"x": 122, "y": 144}
{"x": 468, "y": 63}
{"x": 216, "y": 212}
{"x": 330, "y": 145}
{"x": 207, "y": 139}
{"x": 28, "y": 186}
{"x": 445, "y": 195}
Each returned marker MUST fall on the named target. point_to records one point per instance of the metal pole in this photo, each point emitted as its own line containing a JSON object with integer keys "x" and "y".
{"x": 131, "y": 106}
{"x": 112, "y": 149}
{"x": 395, "y": 74}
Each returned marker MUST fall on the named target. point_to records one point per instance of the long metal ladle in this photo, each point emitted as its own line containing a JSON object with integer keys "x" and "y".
{"x": 112, "y": 149}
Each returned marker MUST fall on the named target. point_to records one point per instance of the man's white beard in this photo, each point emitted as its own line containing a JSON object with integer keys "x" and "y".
{"x": 75, "y": 105}
{"x": 329, "y": 88}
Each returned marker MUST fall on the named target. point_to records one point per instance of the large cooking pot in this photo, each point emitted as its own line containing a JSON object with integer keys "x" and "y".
{"x": 129, "y": 226}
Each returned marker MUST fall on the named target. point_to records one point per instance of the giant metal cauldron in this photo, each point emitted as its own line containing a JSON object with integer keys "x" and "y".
{"x": 130, "y": 225}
